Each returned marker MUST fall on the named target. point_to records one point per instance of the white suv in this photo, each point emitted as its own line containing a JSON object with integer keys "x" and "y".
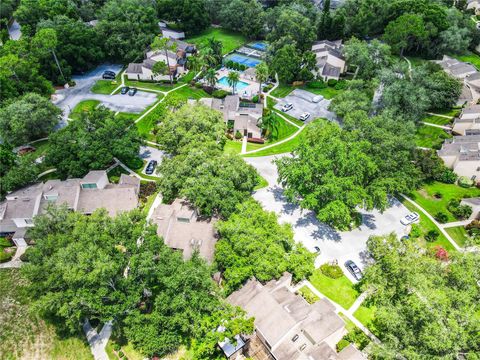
{"x": 305, "y": 116}
{"x": 287, "y": 106}
{"x": 410, "y": 218}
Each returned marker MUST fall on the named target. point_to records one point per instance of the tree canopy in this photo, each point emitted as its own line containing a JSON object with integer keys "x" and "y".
{"x": 426, "y": 307}
{"x": 252, "y": 243}
{"x": 29, "y": 118}
{"x": 91, "y": 142}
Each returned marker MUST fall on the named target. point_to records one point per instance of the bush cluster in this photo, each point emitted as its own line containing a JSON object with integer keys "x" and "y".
{"x": 331, "y": 271}
{"x": 235, "y": 66}
{"x": 432, "y": 235}
{"x": 461, "y": 212}
{"x": 441, "y": 217}
{"x": 220, "y": 94}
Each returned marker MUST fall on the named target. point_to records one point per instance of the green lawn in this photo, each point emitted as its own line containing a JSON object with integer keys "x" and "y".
{"x": 155, "y": 86}
{"x": 188, "y": 92}
{"x": 40, "y": 147}
{"x": 459, "y": 234}
{"x": 426, "y": 198}
{"x": 426, "y": 225}
{"x": 285, "y": 147}
{"x": 105, "y": 86}
{"x": 365, "y": 314}
{"x": 83, "y": 106}
{"x": 438, "y": 120}
{"x": 262, "y": 183}
{"x": 233, "y": 147}
{"x": 270, "y": 102}
{"x": 24, "y": 334}
{"x": 430, "y": 137}
{"x": 283, "y": 130}
{"x": 328, "y": 92}
{"x": 470, "y": 57}
{"x": 455, "y": 111}
{"x": 282, "y": 90}
{"x": 230, "y": 40}
{"x": 340, "y": 290}
{"x": 289, "y": 117}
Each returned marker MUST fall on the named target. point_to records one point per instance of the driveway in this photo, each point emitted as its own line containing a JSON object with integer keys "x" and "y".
{"x": 148, "y": 153}
{"x": 302, "y": 102}
{"x": 334, "y": 245}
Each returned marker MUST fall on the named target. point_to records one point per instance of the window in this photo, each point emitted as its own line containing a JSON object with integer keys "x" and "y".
{"x": 51, "y": 197}
{"x": 89, "y": 186}
{"x": 183, "y": 220}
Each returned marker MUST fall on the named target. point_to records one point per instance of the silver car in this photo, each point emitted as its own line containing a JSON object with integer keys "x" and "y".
{"x": 409, "y": 219}
{"x": 287, "y": 106}
{"x": 305, "y": 116}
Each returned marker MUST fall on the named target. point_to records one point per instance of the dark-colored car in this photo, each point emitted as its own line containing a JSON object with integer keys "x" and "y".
{"x": 152, "y": 164}
{"x": 354, "y": 270}
{"x": 132, "y": 91}
{"x": 124, "y": 90}
{"x": 107, "y": 74}
{"x": 317, "y": 249}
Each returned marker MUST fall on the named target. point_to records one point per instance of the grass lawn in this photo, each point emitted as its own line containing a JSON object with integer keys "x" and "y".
{"x": 289, "y": 117}
{"x": 230, "y": 40}
{"x": 262, "y": 183}
{"x": 365, "y": 314}
{"x": 328, "y": 92}
{"x": 40, "y": 147}
{"x": 232, "y": 147}
{"x": 426, "y": 225}
{"x": 459, "y": 234}
{"x": 83, "y": 106}
{"x": 426, "y": 199}
{"x": 430, "y": 137}
{"x": 270, "y": 102}
{"x": 438, "y": 120}
{"x": 285, "y": 147}
{"x": 161, "y": 86}
{"x": 308, "y": 294}
{"x": 470, "y": 57}
{"x": 283, "y": 131}
{"x": 105, "y": 86}
{"x": 282, "y": 90}
{"x": 115, "y": 173}
{"x": 188, "y": 92}
{"x": 25, "y": 335}
{"x": 340, "y": 290}
{"x": 455, "y": 111}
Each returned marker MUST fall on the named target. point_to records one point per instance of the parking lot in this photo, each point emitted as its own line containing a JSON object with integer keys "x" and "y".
{"x": 333, "y": 244}
{"x": 149, "y": 153}
{"x": 304, "y": 101}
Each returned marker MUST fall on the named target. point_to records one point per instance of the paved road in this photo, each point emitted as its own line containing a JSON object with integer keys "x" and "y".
{"x": 334, "y": 245}
{"x": 68, "y": 98}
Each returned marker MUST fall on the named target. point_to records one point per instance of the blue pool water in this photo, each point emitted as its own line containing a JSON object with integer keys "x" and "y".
{"x": 224, "y": 82}
{"x": 258, "y": 45}
{"x": 242, "y": 59}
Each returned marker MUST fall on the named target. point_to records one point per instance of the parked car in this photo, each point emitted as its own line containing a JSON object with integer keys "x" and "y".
{"x": 124, "y": 90}
{"x": 107, "y": 74}
{"x": 305, "y": 116}
{"x": 152, "y": 164}
{"x": 132, "y": 91}
{"x": 409, "y": 219}
{"x": 354, "y": 269}
{"x": 287, "y": 106}
{"x": 317, "y": 249}
{"x": 405, "y": 238}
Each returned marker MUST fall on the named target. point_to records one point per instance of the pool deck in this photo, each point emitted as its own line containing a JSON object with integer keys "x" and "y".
{"x": 248, "y": 92}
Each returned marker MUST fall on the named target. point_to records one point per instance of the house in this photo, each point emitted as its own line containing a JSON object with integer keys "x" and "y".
{"x": 473, "y": 5}
{"x": 84, "y": 195}
{"x": 182, "y": 229}
{"x": 170, "y": 33}
{"x": 177, "y": 61}
{"x": 465, "y": 72}
{"x": 462, "y": 155}
{"x": 289, "y": 328}
{"x": 330, "y": 61}
{"x": 468, "y": 122}
{"x": 241, "y": 117}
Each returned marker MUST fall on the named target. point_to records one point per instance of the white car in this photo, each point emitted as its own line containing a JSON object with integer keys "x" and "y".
{"x": 410, "y": 218}
{"x": 305, "y": 116}
{"x": 287, "y": 106}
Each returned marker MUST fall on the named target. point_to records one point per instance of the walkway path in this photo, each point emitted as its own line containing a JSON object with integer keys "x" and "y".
{"x": 437, "y": 126}
{"x": 15, "y": 262}
{"x": 341, "y": 309}
{"x": 131, "y": 172}
{"x": 244, "y": 145}
{"x": 98, "y": 341}
{"x": 409, "y": 67}
{"x": 440, "y": 115}
{"x": 442, "y": 230}
{"x": 456, "y": 223}
{"x": 46, "y": 172}
{"x": 277, "y": 143}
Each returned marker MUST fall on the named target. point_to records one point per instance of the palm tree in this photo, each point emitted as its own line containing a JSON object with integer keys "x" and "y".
{"x": 195, "y": 63}
{"x": 233, "y": 78}
{"x": 269, "y": 123}
{"x": 162, "y": 43}
{"x": 261, "y": 74}
{"x": 160, "y": 68}
{"x": 216, "y": 47}
{"x": 207, "y": 56}
{"x": 211, "y": 77}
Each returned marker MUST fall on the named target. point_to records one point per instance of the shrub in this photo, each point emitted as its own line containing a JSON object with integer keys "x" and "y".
{"x": 341, "y": 85}
{"x": 242, "y": 67}
{"x": 432, "y": 235}
{"x": 267, "y": 88}
{"x": 441, "y": 217}
{"x": 357, "y": 337}
{"x": 116, "y": 347}
{"x": 238, "y": 135}
{"x": 459, "y": 211}
{"x": 473, "y": 229}
{"x": 440, "y": 253}
{"x": 198, "y": 85}
{"x": 229, "y": 64}
{"x": 415, "y": 231}
{"x": 332, "y": 82}
{"x": 446, "y": 176}
{"x": 331, "y": 271}
{"x": 5, "y": 256}
{"x": 220, "y": 94}
{"x": 465, "y": 182}
{"x": 121, "y": 354}
{"x": 317, "y": 84}
{"x": 255, "y": 99}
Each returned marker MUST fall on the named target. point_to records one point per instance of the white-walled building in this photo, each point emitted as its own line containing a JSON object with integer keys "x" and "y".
{"x": 330, "y": 61}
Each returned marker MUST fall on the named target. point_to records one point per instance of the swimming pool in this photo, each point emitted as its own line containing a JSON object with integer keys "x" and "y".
{"x": 224, "y": 82}
{"x": 258, "y": 45}
{"x": 242, "y": 59}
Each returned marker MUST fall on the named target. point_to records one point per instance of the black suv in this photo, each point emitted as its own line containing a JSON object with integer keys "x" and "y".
{"x": 152, "y": 164}
{"x": 107, "y": 74}
{"x": 354, "y": 270}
